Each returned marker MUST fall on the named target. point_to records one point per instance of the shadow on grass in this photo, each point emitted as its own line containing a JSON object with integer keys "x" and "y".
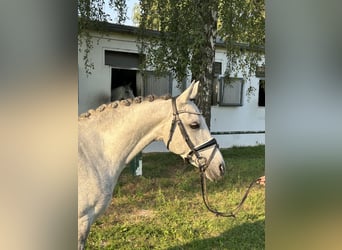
{"x": 245, "y": 236}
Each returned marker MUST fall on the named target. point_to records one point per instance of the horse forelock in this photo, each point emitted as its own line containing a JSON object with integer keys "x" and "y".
{"x": 123, "y": 103}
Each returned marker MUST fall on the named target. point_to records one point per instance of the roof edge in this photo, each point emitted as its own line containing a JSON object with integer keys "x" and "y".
{"x": 133, "y": 30}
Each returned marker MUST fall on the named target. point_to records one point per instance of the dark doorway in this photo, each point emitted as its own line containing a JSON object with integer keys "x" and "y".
{"x": 261, "y": 100}
{"x": 121, "y": 77}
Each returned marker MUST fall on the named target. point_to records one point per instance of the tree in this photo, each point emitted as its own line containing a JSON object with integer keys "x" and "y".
{"x": 92, "y": 16}
{"x": 242, "y": 26}
{"x": 188, "y": 31}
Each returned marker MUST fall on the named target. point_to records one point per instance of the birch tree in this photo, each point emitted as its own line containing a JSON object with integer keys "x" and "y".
{"x": 188, "y": 31}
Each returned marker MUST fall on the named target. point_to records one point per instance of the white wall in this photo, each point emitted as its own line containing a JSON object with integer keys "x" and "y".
{"x": 95, "y": 90}
{"x": 248, "y": 117}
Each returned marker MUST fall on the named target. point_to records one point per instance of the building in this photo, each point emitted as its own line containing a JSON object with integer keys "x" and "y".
{"x": 237, "y": 119}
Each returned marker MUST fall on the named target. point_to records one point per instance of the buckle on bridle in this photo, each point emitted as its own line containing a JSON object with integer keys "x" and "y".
{"x": 202, "y": 163}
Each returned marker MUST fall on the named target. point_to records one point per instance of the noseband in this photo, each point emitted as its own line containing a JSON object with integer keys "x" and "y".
{"x": 201, "y": 161}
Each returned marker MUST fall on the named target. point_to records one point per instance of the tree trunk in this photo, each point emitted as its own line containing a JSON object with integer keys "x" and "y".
{"x": 205, "y": 57}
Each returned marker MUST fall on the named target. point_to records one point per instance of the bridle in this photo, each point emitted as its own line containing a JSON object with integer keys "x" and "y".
{"x": 201, "y": 161}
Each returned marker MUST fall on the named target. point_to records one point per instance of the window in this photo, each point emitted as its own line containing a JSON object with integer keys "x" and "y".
{"x": 260, "y": 71}
{"x": 261, "y": 100}
{"x": 217, "y": 68}
{"x": 231, "y": 91}
{"x": 156, "y": 85}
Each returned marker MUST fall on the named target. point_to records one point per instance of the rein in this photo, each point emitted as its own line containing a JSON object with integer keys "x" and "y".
{"x": 223, "y": 214}
{"x": 201, "y": 161}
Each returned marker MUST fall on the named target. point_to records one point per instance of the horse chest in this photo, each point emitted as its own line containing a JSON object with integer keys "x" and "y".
{"x": 99, "y": 198}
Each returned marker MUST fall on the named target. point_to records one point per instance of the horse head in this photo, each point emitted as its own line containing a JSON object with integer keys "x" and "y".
{"x": 190, "y": 137}
{"x": 122, "y": 92}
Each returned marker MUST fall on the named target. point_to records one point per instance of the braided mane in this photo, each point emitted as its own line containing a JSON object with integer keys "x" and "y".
{"x": 122, "y": 103}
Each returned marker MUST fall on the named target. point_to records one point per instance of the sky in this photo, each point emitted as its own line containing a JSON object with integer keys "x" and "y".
{"x": 130, "y": 5}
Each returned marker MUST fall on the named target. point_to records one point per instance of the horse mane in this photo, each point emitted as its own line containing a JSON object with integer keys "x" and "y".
{"x": 122, "y": 103}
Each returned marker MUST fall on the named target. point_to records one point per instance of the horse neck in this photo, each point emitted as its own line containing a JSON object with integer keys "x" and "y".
{"x": 148, "y": 122}
{"x": 124, "y": 131}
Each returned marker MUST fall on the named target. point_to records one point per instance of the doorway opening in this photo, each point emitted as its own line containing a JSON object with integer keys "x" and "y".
{"x": 123, "y": 78}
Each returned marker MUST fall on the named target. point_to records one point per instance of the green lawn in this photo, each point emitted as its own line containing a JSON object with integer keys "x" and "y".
{"x": 163, "y": 209}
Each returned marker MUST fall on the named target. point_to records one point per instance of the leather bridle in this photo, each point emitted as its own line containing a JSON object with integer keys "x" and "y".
{"x": 201, "y": 161}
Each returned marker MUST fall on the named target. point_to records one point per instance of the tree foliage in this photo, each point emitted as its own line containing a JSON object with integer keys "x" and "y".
{"x": 92, "y": 16}
{"x": 185, "y": 44}
{"x": 242, "y": 27}
{"x": 187, "y": 31}
{"x": 240, "y": 24}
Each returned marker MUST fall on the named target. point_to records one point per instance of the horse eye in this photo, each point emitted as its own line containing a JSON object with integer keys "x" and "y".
{"x": 195, "y": 125}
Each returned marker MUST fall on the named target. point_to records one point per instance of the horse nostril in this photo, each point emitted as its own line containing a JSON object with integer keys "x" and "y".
{"x": 221, "y": 167}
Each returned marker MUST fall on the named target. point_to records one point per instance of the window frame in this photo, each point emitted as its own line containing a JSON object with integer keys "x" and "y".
{"x": 222, "y": 89}
{"x": 166, "y": 77}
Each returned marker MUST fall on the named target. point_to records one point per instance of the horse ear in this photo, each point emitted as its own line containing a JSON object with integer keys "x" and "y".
{"x": 194, "y": 90}
{"x": 190, "y": 93}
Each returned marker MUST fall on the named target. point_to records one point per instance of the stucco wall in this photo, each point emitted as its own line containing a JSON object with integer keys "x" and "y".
{"x": 95, "y": 89}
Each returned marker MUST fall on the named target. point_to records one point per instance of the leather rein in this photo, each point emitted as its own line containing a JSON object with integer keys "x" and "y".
{"x": 201, "y": 161}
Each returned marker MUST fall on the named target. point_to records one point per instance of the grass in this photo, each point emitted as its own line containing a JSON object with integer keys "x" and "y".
{"x": 163, "y": 209}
